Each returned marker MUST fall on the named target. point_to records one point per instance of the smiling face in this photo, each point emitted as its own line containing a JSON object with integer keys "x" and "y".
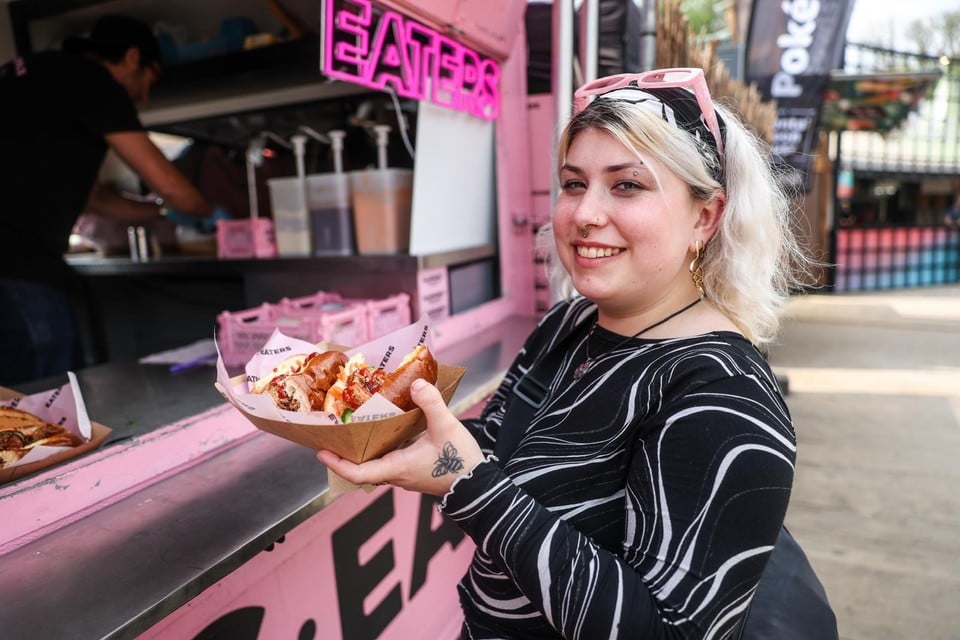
{"x": 635, "y": 259}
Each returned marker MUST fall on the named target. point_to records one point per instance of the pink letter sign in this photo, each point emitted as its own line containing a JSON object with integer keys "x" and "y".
{"x": 377, "y": 48}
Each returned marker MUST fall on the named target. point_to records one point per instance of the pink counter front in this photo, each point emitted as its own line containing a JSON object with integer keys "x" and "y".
{"x": 207, "y": 528}
{"x": 193, "y": 524}
{"x": 382, "y": 565}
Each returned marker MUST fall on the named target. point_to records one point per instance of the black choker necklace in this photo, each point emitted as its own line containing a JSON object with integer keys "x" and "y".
{"x": 584, "y": 366}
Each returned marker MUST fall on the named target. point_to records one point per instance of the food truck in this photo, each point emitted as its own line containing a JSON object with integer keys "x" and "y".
{"x": 395, "y": 161}
{"x": 178, "y": 518}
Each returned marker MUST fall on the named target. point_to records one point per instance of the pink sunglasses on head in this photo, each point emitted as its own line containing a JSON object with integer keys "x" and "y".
{"x": 683, "y": 77}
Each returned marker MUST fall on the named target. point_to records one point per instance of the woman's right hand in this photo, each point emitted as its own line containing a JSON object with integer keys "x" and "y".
{"x": 430, "y": 464}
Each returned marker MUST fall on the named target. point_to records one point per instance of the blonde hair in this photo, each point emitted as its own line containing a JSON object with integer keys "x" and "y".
{"x": 755, "y": 260}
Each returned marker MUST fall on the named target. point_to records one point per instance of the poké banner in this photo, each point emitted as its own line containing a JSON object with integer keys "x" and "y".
{"x": 383, "y": 49}
{"x": 792, "y": 46}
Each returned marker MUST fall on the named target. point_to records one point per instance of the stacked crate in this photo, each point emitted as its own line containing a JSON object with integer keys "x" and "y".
{"x": 320, "y": 317}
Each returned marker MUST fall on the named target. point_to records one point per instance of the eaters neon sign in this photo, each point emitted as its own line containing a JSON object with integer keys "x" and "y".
{"x": 382, "y": 48}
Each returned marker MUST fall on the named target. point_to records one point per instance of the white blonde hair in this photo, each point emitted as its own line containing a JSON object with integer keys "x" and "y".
{"x": 754, "y": 261}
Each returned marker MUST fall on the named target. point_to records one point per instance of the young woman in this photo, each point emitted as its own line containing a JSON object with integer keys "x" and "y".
{"x": 647, "y": 483}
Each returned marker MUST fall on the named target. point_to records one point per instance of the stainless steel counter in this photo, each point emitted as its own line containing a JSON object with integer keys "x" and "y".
{"x": 96, "y": 265}
{"x": 120, "y": 570}
{"x": 135, "y": 308}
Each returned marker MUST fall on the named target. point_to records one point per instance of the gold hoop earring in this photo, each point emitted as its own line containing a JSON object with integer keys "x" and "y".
{"x": 696, "y": 267}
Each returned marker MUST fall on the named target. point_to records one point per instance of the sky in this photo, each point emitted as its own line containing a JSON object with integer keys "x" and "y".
{"x": 873, "y": 17}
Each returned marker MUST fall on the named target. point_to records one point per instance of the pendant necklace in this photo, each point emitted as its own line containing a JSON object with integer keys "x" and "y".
{"x": 584, "y": 366}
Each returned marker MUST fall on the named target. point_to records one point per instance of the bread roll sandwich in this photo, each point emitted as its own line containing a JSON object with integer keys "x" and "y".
{"x": 300, "y": 382}
{"x": 358, "y": 381}
{"x": 332, "y": 383}
{"x": 21, "y": 431}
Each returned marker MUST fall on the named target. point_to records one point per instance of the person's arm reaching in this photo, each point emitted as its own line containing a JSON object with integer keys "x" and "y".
{"x": 105, "y": 201}
{"x": 142, "y": 155}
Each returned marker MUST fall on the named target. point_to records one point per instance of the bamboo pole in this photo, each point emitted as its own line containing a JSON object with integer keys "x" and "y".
{"x": 678, "y": 46}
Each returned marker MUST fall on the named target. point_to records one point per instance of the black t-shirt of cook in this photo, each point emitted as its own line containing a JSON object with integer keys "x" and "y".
{"x": 52, "y": 126}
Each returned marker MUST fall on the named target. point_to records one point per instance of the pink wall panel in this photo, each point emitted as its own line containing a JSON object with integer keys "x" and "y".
{"x": 379, "y": 565}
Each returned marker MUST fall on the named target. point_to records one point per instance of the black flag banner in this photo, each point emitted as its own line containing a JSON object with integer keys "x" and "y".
{"x": 792, "y": 45}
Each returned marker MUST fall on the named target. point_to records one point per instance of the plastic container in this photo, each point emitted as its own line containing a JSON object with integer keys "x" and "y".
{"x": 249, "y": 238}
{"x": 243, "y": 333}
{"x": 433, "y": 293}
{"x": 387, "y": 315}
{"x": 291, "y": 221}
{"x": 324, "y": 317}
{"x": 329, "y": 224}
{"x": 381, "y": 201}
{"x": 231, "y": 37}
{"x": 331, "y": 217}
{"x": 320, "y": 317}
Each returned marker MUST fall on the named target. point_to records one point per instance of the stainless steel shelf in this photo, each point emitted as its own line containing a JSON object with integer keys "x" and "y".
{"x": 240, "y": 99}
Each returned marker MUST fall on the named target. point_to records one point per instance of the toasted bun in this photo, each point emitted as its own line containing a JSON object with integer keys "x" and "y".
{"x": 358, "y": 381}
{"x": 324, "y": 369}
{"x": 419, "y": 363}
{"x": 11, "y": 418}
{"x": 300, "y": 383}
{"x": 65, "y": 439}
{"x": 21, "y": 431}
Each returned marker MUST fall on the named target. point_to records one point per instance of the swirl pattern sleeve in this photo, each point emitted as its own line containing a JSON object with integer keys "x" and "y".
{"x": 486, "y": 427}
{"x": 655, "y": 522}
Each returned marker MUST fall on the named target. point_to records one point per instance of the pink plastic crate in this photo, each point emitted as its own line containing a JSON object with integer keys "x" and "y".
{"x": 321, "y": 317}
{"x": 327, "y": 317}
{"x": 249, "y": 238}
{"x": 389, "y": 314}
{"x": 243, "y": 333}
{"x": 433, "y": 293}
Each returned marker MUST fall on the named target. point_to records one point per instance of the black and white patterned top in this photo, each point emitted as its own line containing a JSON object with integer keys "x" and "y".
{"x": 644, "y": 498}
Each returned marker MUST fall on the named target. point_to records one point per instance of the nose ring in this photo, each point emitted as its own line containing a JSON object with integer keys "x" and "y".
{"x": 585, "y": 231}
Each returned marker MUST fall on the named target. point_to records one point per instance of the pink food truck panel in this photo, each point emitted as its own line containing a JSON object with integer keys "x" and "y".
{"x": 379, "y": 565}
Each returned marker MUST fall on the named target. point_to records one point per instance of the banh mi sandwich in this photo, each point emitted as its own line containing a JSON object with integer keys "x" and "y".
{"x": 300, "y": 382}
{"x": 21, "y": 431}
{"x": 332, "y": 383}
{"x": 358, "y": 381}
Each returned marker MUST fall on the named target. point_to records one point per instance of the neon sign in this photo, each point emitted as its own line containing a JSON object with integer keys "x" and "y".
{"x": 380, "y": 48}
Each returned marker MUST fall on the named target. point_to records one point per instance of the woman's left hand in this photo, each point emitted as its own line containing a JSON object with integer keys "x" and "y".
{"x": 430, "y": 464}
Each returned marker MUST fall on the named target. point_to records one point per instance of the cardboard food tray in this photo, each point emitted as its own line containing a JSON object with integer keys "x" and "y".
{"x": 98, "y": 436}
{"x": 360, "y": 441}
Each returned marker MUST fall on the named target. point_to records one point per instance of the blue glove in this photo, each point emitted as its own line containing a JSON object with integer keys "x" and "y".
{"x": 209, "y": 224}
{"x": 203, "y": 225}
{"x": 181, "y": 219}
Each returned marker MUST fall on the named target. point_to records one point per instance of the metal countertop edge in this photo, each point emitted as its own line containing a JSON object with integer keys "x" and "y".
{"x": 146, "y": 588}
{"x": 232, "y": 561}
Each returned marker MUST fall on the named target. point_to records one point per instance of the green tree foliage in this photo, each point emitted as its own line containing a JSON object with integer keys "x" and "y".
{"x": 704, "y": 16}
{"x": 936, "y": 35}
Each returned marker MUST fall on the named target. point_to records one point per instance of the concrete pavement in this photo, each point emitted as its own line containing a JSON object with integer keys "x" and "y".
{"x": 874, "y": 389}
